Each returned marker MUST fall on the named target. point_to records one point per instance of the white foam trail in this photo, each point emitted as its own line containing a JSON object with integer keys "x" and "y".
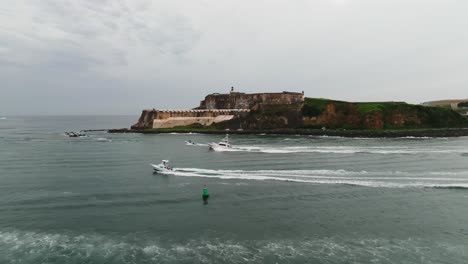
{"x": 101, "y": 139}
{"x": 391, "y": 179}
{"x": 342, "y": 149}
{"x": 3, "y": 118}
{"x": 326, "y": 136}
{"x": 195, "y": 144}
{"x": 227, "y": 150}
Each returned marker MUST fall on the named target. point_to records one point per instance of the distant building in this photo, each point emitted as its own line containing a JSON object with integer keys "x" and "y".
{"x": 452, "y": 103}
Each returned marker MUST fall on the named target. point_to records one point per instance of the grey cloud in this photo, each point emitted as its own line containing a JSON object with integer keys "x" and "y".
{"x": 133, "y": 54}
{"x": 88, "y": 29}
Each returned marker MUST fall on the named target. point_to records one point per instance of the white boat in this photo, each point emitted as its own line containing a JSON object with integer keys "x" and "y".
{"x": 164, "y": 166}
{"x": 222, "y": 145}
{"x": 190, "y": 143}
{"x": 75, "y": 134}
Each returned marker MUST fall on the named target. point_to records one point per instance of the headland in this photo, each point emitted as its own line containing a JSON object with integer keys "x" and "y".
{"x": 293, "y": 113}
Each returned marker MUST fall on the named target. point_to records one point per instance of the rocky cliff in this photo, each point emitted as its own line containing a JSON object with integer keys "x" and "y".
{"x": 319, "y": 113}
{"x": 377, "y": 115}
{"x": 267, "y": 116}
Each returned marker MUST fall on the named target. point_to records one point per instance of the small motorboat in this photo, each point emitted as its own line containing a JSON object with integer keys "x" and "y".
{"x": 74, "y": 134}
{"x": 222, "y": 145}
{"x": 163, "y": 167}
{"x": 190, "y": 143}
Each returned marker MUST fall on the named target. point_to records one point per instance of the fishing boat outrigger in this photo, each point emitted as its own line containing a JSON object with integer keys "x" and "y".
{"x": 164, "y": 166}
{"x": 222, "y": 145}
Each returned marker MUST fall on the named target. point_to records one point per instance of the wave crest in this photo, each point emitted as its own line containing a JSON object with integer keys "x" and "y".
{"x": 35, "y": 247}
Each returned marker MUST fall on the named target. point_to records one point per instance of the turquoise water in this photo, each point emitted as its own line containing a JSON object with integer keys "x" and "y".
{"x": 273, "y": 199}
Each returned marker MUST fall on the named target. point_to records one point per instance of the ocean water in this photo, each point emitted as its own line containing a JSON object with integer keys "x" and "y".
{"x": 274, "y": 199}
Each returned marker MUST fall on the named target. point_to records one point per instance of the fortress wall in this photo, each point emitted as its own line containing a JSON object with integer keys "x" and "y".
{"x": 170, "y": 118}
{"x": 248, "y": 101}
{"x": 226, "y": 101}
{"x": 233, "y": 104}
{"x": 281, "y": 98}
{"x": 185, "y": 121}
{"x": 145, "y": 120}
{"x": 164, "y": 114}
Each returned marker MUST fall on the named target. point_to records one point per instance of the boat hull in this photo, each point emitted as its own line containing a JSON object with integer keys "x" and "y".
{"x": 160, "y": 169}
{"x": 217, "y": 147}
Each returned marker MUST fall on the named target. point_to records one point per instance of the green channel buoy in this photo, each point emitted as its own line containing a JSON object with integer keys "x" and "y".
{"x": 205, "y": 194}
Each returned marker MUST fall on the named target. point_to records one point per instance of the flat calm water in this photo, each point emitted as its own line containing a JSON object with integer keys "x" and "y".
{"x": 274, "y": 199}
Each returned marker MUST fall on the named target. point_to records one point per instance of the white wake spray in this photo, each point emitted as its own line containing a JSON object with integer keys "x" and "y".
{"x": 390, "y": 179}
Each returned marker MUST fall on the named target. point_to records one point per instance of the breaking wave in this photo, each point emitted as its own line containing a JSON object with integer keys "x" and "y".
{"x": 389, "y": 179}
{"x": 37, "y": 247}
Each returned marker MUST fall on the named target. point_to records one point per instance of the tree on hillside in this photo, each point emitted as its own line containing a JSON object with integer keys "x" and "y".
{"x": 463, "y": 104}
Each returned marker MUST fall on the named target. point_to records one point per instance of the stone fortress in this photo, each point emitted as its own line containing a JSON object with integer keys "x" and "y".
{"x": 216, "y": 108}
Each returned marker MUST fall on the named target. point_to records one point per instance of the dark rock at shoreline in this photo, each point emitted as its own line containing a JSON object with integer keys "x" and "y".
{"x": 435, "y": 133}
{"x": 95, "y": 130}
{"x": 121, "y": 130}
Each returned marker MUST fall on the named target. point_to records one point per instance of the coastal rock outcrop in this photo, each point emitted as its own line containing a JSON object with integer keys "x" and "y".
{"x": 288, "y": 110}
{"x": 379, "y": 115}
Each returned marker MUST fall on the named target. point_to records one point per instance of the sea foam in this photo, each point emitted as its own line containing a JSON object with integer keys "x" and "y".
{"x": 35, "y": 247}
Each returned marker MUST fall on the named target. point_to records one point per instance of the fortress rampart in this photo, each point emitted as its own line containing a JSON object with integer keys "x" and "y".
{"x": 216, "y": 108}
{"x": 171, "y": 118}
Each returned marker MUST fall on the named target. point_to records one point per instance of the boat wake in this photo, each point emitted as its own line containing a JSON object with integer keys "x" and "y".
{"x": 389, "y": 179}
{"x": 342, "y": 149}
{"x": 83, "y": 137}
{"x": 187, "y": 143}
{"x": 101, "y": 139}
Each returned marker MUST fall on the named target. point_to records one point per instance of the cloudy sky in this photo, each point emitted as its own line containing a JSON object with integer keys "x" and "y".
{"x": 120, "y": 56}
